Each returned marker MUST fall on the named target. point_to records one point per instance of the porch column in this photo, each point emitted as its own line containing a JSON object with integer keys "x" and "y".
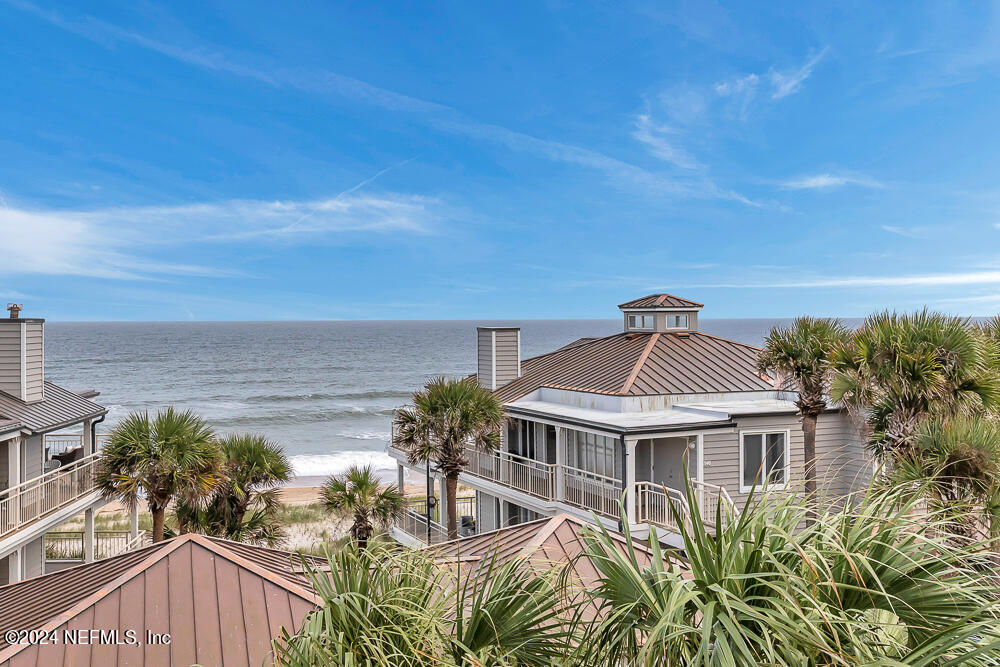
{"x": 14, "y": 566}
{"x": 630, "y": 495}
{"x": 14, "y": 477}
{"x": 133, "y": 521}
{"x": 88, "y": 536}
{"x": 88, "y": 440}
{"x": 560, "y": 463}
{"x": 399, "y": 478}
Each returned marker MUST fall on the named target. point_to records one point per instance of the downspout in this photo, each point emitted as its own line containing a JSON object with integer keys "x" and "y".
{"x": 93, "y": 431}
{"x": 627, "y": 491}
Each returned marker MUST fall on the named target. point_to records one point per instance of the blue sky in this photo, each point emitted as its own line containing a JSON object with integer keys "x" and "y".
{"x": 497, "y": 160}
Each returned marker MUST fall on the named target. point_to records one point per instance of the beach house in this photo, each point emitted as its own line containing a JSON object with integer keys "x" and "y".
{"x": 48, "y": 459}
{"x": 637, "y": 415}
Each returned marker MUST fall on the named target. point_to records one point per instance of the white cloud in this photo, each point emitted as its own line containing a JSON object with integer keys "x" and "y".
{"x": 115, "y": 242}
{"x": 654, "y": 136}
{"x": 787, "y": 83}
{"x": 825, "y": 181}
{"x": 917, "y": 232}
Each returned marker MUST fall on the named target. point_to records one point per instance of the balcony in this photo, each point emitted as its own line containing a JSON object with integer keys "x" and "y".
{"x": 69, "y": 547}
{"x": 37, "y": 498}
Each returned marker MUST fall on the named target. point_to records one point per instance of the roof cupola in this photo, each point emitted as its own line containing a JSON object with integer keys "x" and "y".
{"x": 661, "y": 313}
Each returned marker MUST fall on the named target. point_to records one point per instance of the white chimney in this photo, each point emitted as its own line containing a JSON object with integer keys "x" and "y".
{"x": 499, "y": 355}
{"x": 22, "y": 356}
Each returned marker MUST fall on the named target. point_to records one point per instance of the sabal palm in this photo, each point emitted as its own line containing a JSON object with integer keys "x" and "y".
{"x": 801, "y": 354}
{"x": 172, "y": 457}
{"x": 956, "y": 461}
{"x": 867, "y": 584}
{"x": 359, "y": 495}
{"x": 445, "y": 418}
{"x": 898, "y": 370}
{"x": 244, "y": 505}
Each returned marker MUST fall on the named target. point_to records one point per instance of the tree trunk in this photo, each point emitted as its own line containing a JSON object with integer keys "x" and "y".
{"x": 451, "y": 486}
{"x": 809, "y": 456}
{"x": 159, "y": 515}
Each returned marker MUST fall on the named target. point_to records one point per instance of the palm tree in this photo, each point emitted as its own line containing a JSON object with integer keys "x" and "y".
{"x": 172, "y": 457}
{"x": 869, "y": 583}
{"x": 358, "y": 495}
{"x": 244, "y": 505}
{"x": 446, "y": 417}
{"x": 802, "y": 353}
{"x": 898, "y": 370}
{"x": 956, "y": 462}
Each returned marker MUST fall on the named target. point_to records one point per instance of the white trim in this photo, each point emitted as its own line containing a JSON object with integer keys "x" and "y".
{"x": 788, "y": 446}
{"x": 518, "y": 353}
{"x": 631, "y": 327}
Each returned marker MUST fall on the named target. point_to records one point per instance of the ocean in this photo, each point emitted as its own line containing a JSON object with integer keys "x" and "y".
{"x": 324, "y": 390}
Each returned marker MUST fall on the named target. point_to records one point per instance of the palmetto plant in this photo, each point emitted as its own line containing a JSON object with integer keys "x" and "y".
{"x": 385, "y": 607}
{"x": 864, "y": 585}
{"x": 446, "y": 416}
{"x": 243, "y": 506}
{"x": 898, "y": 370}
{"x": 171, "y": 457}
{"x": 359, "y": 495}
{"x": 801, "y": 354}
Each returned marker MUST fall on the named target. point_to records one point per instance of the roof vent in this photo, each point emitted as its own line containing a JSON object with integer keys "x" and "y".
{"x": 15, "y": 310}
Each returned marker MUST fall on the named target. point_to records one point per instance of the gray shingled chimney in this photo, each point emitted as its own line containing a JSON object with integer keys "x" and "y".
{"x": 499, "y": 355}
{"x": 22, "y": 356}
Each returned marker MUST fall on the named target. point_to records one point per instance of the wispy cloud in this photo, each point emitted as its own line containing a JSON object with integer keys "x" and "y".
{"x": 658, "y": 138}
{"x": 787, "y": 83}
{"x": 438, "y": 116}
{"x": 921, "y": 232}
{"x": 115, "y": 242}
{"x": 827, "y": 181}
{"x": 914, "y": 280}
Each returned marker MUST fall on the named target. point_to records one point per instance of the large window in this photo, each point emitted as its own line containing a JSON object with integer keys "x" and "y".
{"x": 677, "y": 321}
{"x": 763, "y": 459}
{"x": 594, "y": 453}
{"x": 640, "y": 321}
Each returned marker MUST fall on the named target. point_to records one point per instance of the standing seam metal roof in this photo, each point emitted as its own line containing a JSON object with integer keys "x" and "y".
{"x": 661, "y": 301}
{"x": 643, "y": 364}
{"x": 58, "y": 409}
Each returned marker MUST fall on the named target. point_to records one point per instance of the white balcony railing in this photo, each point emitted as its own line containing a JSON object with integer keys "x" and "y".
{"x": 37, "y": 498}
{"x": 57, "y": 443}
{"x": 591, "y": 491}
{"x": 69, "y": 545}
{"x": 661, "y": 506}
{"x": 415, "y": 525}
{"x": 518, "y": 472}
{"x": 711, "y": 498}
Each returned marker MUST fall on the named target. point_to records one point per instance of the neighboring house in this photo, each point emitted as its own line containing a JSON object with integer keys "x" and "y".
{"x": 188, "y": 600}
{"x": 45, "y": 479}
{"x": 635, "y": 414}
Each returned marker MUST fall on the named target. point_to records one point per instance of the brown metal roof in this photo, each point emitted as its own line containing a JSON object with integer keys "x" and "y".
{"x": 643, "y": 364}
{"x": 545, "y": 544}
{"x": 222, "y": 604}
{"x": 59, "y": 408}
{"x": 661, "y": 301}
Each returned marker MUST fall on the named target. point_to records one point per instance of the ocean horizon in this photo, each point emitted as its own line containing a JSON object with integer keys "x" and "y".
{"x": 325, "y": 390}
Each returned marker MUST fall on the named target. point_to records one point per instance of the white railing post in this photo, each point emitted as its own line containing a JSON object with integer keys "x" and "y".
{"x": 630, "y": 490}
{"x": 560, "y": 463}
{"x": 88, "y": 536}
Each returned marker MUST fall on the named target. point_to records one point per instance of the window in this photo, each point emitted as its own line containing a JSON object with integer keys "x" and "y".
{"x": 593, "y": 453}
{"x": 677, "y": 321}
{"x": 640, "y": 321}
{"x": 763, "y": 458}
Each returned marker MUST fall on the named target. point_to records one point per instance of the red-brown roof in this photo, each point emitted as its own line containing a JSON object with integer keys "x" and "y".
{"x": 221, "y": 603}
{"x": 643, "y": 364}
{"x": 544, "y": 543}
{"x": 661, "y": 301}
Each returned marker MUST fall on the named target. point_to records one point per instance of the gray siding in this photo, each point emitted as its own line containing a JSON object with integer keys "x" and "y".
{"x": 4, "y": 570}
{"x": 507, "y": 355}
{"x": 842, "y": 465}
{"x": 10, "y": 358}
{"x": 33, "y": 556}
{"x": 4, "y": 472}
{"x": 484, "y": 372}
{"x": 486, "y": 519}
{"x": 34, "y": 361}
{"x": 32, "y": 452}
